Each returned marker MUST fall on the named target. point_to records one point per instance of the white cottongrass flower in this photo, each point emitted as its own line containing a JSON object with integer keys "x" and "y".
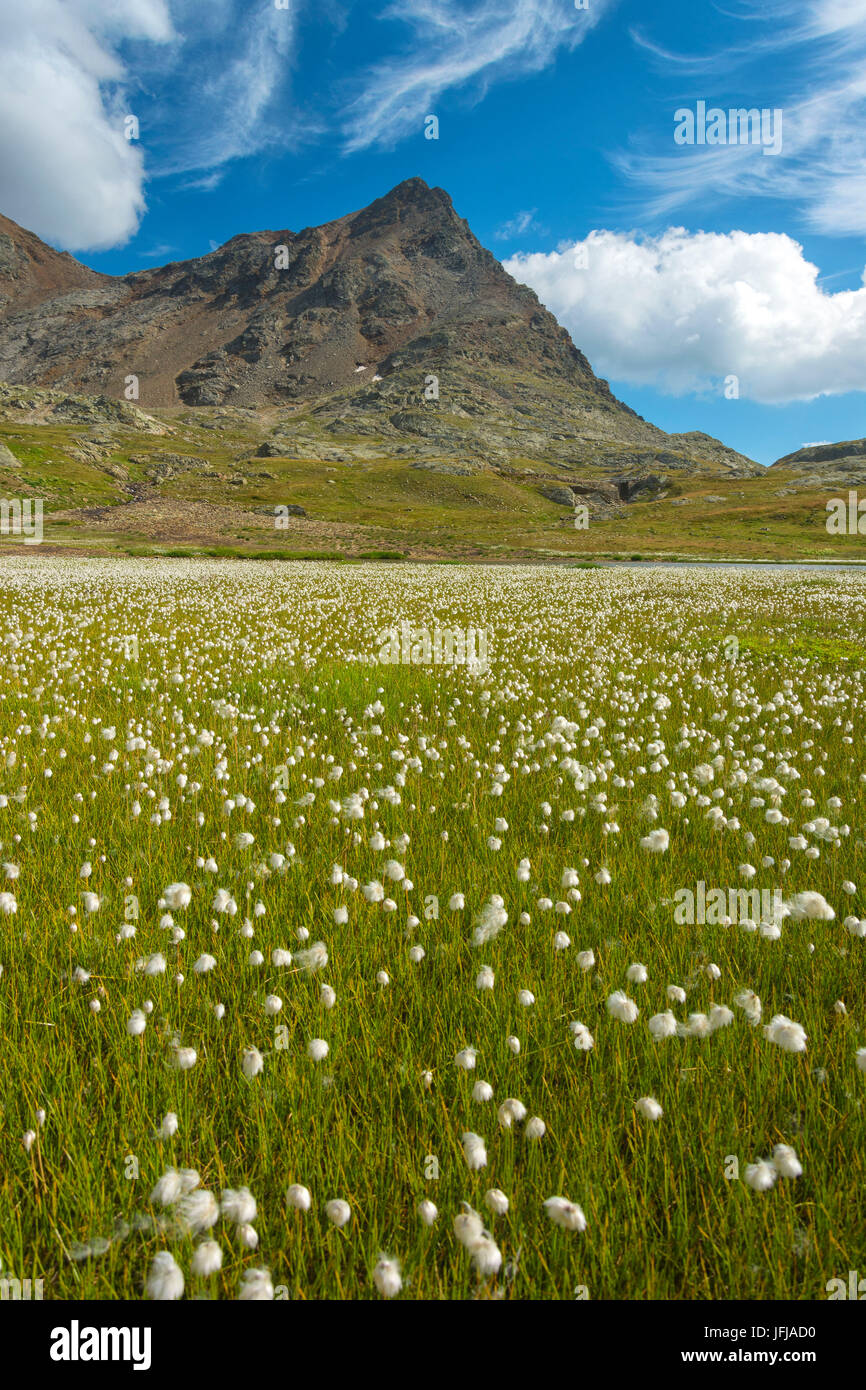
{"x": 204, "y": 964}
{"x": 583, "y": 1039}
{"x": 663, "y": 1025}
{"x": 169, "y": 1126}
{"x": 860, "y": 1058}
{"x": 416, "y": 954}
{"x": 91, "y": 902}
{"x": 785, "y": 1033}
{"x": 207, "y": 1259}
{"x": 155, "y": 964}
{"x": 177, "y": 895}
{"x": 327, "y": 996}
{"x": 273, "y": 1005}
{"x": 586, "y": 959}
{"x": 561, "y": 941}
{"x": 720, "y": 1017}
{"x": 513, "y": 1044}
{"x": 619, "y": 1006}
{"x": 247, "y": 1236}
{"x": 491, "y": 920}
{"x": 8, "y": 905}
{"x": 525, "y": 998}
{"x": 299, "y": 1197}
{"x": 165, "y": 1278}
{"x": 812, "y": 907}
{"x": 474, "y": 1151}
{"x": 786, "y": 1162}
{"x": 427, "y": 1211}
{"x": 317, "y": 1049}
{"x": 760, "y": 1176}
{"x": 238, "y": 1205}
{"x": 676, "y": 994}
{"x": 485, "y": 978}
{"x": 386, "y": 1276}
{"x": 656, "y": 841}
{"x": 168, "y": 1189}
{"x": 482, "y": 1092}
{"x": 383, "y": 979}
{"x": 511, "y": 1110}
{"x": 648, "y": 1108}
{"x": 312, "y": 959}
{"x": 486, "y": 1255}
{"x": 136, "y": 1023}
{"x": 496, "y": 1201}
{"x": 636, "y": 974}
{"x": 252, "y": 1062}
{"x": 750, "y": 1004}
{"x": 465, "y": 1059}
{"x": 256, "y": 1287}
{"x": 338, "y": 1212}
{"x": 456, "y": 903}
{"x": 535, "y": 1128}
{"x": 185, "y": 1058}
{"x": 564, "y": 1213}
{"x": 698, "y": 1026}
{"x": 198, "y": 1211}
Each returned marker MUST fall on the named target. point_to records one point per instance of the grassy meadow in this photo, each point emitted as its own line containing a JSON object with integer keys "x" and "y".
{"x": 207, "y": 769}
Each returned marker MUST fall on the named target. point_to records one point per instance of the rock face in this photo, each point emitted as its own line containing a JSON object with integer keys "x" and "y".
{"x": 820, "y": 464}
{"x": 392, "y": 324}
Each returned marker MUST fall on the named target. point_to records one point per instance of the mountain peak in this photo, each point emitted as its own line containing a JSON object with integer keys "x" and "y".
{"x": 393, "y": 322}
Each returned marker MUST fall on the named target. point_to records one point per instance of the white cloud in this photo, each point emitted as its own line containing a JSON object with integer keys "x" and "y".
{"x": 517, "y": 226}
{"x": 66, "y": 170}
{"x": 682, "y": 311}
{"x": 201, "y": 77}
{"x": 455, "y": 43}
{"x": 809, "y": 60}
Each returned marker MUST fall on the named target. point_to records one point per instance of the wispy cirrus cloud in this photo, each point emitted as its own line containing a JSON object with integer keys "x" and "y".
{"x": 819, "y": 83}
{"x": 459, "y": 45}
{"x": 523, "y": 224}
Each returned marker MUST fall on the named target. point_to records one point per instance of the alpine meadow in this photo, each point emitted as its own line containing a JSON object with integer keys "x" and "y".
{"x": 432, "y": 684}
{"x": 325, "y": 976}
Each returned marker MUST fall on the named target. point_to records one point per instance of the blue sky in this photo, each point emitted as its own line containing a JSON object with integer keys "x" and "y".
{"x": 677, "y": 268}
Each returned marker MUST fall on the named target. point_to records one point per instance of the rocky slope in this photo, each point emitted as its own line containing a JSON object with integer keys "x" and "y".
{"x": 818, "y": 465}
{"x": 388, "y": 332}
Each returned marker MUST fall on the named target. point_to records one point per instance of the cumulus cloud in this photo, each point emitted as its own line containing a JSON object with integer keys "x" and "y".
{"x": 66, "y": 169}
{"x": 683, "y": 311}
{"x": 202, "y": 79}
{"x": 455, "y": 43}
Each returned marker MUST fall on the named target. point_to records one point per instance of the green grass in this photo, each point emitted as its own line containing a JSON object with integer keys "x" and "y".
{"x": 289, "y": 648}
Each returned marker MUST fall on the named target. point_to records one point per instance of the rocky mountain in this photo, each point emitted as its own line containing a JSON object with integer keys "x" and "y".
{"x": 843, "y": 465}
{"x": 388, "y": 332}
